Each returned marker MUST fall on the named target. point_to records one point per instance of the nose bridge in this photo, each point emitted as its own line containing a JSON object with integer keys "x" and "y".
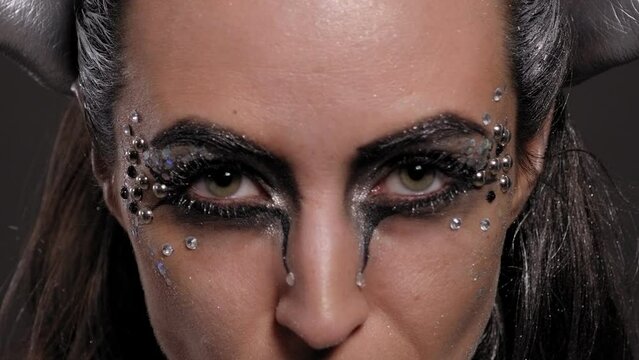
{"x": 325, "y": 305}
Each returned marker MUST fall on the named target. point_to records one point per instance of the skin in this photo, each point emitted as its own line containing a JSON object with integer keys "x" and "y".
{"x": 313, "y": 81}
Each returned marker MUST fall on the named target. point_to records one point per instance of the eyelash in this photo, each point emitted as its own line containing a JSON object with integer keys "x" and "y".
{"x": 460, "y": 180}
{"x": 188, "y": 173}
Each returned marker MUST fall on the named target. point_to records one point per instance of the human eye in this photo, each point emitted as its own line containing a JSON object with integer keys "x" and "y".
{"x": 413, "y": 179}
{"x": 421, "y": 184}
{"x": 203, "y": 185}
{"x": 225, "y": 183}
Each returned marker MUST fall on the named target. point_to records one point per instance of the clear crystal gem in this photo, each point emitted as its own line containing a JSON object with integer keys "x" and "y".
{"x": 190, "y": 242}
{"x": 167, "y": 250}
{"x": 484, "y": 225}
{"x": 455, "y": 224}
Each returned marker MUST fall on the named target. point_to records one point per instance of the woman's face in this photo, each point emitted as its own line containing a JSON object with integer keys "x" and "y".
{"x": 323, "y": 154}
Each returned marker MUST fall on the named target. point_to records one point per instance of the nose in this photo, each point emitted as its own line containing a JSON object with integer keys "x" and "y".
{"x": 325, "y": 306}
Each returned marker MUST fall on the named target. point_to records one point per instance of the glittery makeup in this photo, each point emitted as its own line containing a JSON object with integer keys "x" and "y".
{"x": 454, "y": 148}
{"x": 189, "y": 152}
{"x": 447, "y": 150}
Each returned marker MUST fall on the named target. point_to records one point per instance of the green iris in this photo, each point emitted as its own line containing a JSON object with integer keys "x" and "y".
{"x": 416, "y": 178}
{"x": 223, "y": 182}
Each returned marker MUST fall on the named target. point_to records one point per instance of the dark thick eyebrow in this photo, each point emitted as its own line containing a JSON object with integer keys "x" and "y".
{"x": 428, "y": 130}
{"x": 217, "y": 139}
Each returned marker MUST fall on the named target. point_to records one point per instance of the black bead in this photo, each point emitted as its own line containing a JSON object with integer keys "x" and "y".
{"x": 490, "y": 197}
{"x": 124, "y": 193}
{"x": 131, "y": 171}
{"x": 133, "y": 208}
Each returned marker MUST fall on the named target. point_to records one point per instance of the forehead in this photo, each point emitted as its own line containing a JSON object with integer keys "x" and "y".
{"x": 302, "y": 64}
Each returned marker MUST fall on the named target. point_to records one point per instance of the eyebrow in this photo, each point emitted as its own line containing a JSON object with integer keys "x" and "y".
{"x": 426, "y": 130}
{"x": 201, "y": 132}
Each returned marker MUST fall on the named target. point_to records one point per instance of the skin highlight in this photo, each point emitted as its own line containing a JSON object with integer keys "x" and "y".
{"x": 313, "y": 83}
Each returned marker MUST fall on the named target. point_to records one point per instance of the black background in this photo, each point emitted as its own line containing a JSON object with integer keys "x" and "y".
{"x": 605, "y": 108}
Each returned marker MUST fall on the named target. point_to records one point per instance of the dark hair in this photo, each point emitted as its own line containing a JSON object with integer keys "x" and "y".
{"x": 77, "y": 294}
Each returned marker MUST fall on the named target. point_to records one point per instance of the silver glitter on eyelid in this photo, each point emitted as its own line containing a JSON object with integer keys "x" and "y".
{"x": 455, "y": 224}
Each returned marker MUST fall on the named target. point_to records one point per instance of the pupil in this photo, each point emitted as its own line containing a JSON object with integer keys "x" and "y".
{"x": 223, "y": 178}
{"x": 416, "y": 172}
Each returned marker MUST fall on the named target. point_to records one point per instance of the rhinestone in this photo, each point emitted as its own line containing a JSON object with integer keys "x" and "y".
{"x": 507, "y": 163}
{"x": 290, "y": 279}
{"x": 146, "y": 216}
{"x": 131, "y": 172}
{"x": 136, "y": 193}
{"x": 479, "y": 179}
{"x": 499, "y": 93}
{"x": 486, "y": 119}
{"x": 484, "y": 225}
{"x": 505, "y": 137}
{"x": 132, "y": 156}
{"x": 359, "y": 280}
{"x": 167, "y": 250}
{"x": 505, "y": 183}
{"x": 190, "y": 243}
{"x": 490, "y": 197}
{"x": 160, "y": 190}
{"x": 142, "y": 181}
{"x": 124, "y": 193}
{"x": 127, "y": 130}
{"x": 135, "y": 117}
{"x": 133, "y": 207}
{"x": 498, "y": 131}
{"x": 455, "y": 224}
{"x": 139, "y": 143}
{"x": 494, "y": 165}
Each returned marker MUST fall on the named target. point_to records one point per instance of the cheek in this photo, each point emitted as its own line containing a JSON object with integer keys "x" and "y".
{"x": 211, "y": 300}
{"x": 436, "y": 285}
